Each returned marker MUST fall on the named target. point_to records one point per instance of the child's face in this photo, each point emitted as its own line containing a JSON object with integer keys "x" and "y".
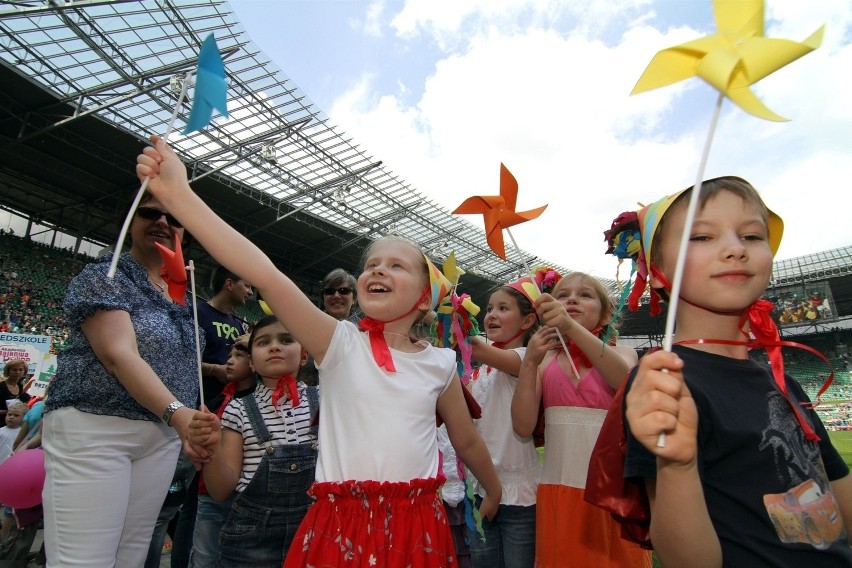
{"x": 503, "y": 317}
{"x": 274, "y": 352}
{"x": 14, "y": 417}
{"x": 728, "y": 261}
{"x": 581, "y": 301}
{"x": 238, "y": 366}
{"x": 393, "y": 280}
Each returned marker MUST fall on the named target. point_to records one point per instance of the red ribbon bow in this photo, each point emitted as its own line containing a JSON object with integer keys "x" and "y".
{"x": 381, "y": 351}
{"x": 766, "y": 335}
{"x": 376, "y": 328}
{"x": 580, "y": 359}
{"x": 290, "y": 383}
{"x": 228, "y": 391}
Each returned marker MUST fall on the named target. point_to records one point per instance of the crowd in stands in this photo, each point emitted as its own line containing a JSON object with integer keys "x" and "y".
{"x": 34, "y": 278}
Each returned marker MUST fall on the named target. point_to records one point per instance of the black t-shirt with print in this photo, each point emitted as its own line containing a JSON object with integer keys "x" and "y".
{"x": 766, "y": 486}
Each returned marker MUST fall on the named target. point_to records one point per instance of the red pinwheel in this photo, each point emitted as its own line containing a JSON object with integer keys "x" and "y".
{"x": 499, "y": 211}
{"x": 174, "y": 270}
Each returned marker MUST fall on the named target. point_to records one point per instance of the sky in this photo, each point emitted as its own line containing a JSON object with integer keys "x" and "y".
{"x": 443, "y": 91}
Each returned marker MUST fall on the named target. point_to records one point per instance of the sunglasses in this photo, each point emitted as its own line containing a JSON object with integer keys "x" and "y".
{"x": 151, "y": 214}
{"x": 343, "y": 291}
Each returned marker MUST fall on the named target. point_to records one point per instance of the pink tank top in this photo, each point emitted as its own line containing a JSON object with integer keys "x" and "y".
{"x": 559, "y": 390}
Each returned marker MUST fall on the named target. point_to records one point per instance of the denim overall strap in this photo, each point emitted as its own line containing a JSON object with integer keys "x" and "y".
{"x": 313, "y": 403}
{"x": 266, "y": 514}
{"x": 261, "y": 432}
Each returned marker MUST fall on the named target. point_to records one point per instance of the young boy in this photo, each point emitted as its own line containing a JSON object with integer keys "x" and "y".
{"x": 211, "y": 513}
{"x": 9, "y": 432}
{"x": 747, "y": 475}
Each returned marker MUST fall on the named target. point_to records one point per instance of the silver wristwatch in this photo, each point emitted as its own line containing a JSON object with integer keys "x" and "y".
{"x": 170, "y": 410}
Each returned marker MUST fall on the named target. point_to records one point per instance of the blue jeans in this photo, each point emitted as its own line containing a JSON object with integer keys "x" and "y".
{"x": 266, "y": 514}
{"x": 182, "y": 539}
{"x": 509, "y": 539}
{"x": 208, "y": 523}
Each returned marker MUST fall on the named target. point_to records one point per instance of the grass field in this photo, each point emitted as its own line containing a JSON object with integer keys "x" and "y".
{"x": 842, "y": 440}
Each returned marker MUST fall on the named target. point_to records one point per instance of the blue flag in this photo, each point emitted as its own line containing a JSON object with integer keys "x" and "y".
{"x": 210, "y": 87}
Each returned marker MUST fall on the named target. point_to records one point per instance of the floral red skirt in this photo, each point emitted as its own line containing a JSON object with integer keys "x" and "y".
{"x": 372, "y": 523}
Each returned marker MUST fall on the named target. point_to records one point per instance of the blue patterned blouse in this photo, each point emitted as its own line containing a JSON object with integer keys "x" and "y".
{"x": 165, "y": 336}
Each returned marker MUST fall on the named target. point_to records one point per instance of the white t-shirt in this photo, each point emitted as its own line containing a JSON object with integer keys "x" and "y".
{"x": 514, "y": 458}
{"x": 287, "y": 426}
{"x": 7, "y": 438}
{"x": 374, "y": 424}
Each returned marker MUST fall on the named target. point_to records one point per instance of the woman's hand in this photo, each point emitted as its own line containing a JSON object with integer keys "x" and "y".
{"x": 199, "y": 432}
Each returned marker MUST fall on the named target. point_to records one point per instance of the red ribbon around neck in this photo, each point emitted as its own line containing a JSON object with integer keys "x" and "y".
{"x": 766, "y": 336}
{"x": 378, "y": 343}
{"x": 228, "y": 391}
{"x": 288, "y": 382}
{"x": 577, "y": 356}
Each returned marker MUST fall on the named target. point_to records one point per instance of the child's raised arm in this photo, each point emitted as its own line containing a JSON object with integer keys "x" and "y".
{"x": 658, "y": 402}
{"x": 527, "y": 397}
{"x": 507, "y": 360}
{"x": 311, "y": 327}
{"x": 469, "y": 445}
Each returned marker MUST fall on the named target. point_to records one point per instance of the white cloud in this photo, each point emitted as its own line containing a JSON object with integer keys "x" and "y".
{"x": 553, "y": 104}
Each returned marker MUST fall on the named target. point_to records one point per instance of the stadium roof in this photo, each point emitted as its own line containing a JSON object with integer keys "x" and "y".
{"x": 83, "y": 83}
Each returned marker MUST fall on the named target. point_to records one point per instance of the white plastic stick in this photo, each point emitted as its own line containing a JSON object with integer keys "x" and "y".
{"x": 127, "y": 220}
{"x": 191, "y": 269}
{"x": 671, "y": 314}
{"x": 558, "y": 333}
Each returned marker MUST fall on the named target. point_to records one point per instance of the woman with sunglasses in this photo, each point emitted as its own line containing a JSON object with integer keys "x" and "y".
{"x": 338, "y": 298}
{"x": 120, "y": 404}
{"x": 338, "y": 295}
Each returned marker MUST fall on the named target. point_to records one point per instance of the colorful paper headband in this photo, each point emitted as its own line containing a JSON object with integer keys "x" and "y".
{"x": 441, "y": 287}
{"x": 526, "y": 286}
{"x": 631, "y": 236}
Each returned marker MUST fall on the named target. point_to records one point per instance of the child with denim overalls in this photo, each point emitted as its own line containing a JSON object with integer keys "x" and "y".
{"x": 267, "y": 452}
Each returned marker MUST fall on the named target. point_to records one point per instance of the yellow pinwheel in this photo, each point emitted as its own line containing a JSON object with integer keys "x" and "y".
{"x": 452, "y": 270}
{"x": 732, "y": 59}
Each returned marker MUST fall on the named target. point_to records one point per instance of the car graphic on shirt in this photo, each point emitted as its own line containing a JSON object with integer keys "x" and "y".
{"x": 805, "y": 514}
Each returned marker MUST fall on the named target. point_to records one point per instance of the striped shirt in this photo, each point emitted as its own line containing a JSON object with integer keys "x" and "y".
{"x": 287, "y": 426}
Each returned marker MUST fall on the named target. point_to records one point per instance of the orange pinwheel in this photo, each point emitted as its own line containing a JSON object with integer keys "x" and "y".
{"x": 499, "y": 211}
{"x": 173, "y": 270}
